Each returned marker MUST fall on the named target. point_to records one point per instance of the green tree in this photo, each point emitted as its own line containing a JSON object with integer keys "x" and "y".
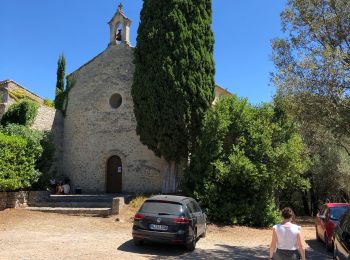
{"x": 173, "y": 79}
{"x": 328, "y": 161}
{"x": 41, "y": 147}
{"x": 23, "y": 112}
{"x": 246, "y": 155}
{"x": 17, "y": 163}
{"x": 59, "y": 94}
{"x": 313, "y": 64}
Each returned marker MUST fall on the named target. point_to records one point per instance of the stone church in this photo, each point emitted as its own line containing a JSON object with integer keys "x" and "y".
{"x": 97, "y": 144}
{"x": 101, "y": 151}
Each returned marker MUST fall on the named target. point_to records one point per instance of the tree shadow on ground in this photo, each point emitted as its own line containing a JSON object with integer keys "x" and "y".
{"x": 165, "y": 251}
{"x": 317, "y": 250}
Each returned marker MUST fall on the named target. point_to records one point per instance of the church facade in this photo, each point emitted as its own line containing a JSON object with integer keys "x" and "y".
{"x": 96, "y": 142}
{"x": 101, "y": 151}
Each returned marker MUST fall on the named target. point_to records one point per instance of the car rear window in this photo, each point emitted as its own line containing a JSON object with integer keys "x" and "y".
{"x": 337, "y": 212}
{"x": 163, "y": 207}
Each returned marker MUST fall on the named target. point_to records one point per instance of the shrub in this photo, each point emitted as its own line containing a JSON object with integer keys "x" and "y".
{"x": 41, "y": 146}
{"x": 49, "y": 103}
{"x": 138, "y": 201}
{"x": 17, "y": 163}
{"x": 245, "y": 154}
{"x": 18, "y": 95}
{"x": 23, "y": 113}
{"x": 44, "y": 163}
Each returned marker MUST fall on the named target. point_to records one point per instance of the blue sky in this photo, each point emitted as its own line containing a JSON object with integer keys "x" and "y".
{"x": 34, "y": 33}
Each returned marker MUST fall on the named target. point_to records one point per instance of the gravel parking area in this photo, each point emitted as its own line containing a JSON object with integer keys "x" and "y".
{"x": 36, "y": 235}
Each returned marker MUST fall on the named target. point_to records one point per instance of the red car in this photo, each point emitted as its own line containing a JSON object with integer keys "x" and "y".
{"x": 327, "y": 219}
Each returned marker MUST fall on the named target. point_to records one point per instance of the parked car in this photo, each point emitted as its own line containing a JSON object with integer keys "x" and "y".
{"x": 342, "y": 238}
{"x": 326, "y": 220}
{"x": 169, "y": 219}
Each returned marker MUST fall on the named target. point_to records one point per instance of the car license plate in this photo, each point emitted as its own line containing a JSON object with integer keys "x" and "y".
{"x": 158, "y": 227}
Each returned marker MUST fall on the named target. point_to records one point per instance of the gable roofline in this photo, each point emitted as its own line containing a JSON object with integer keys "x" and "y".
{"x": 222, "y": 91}
{"x": 94, "y": 58}
{"x": 218, "y": 88}
{"x": 85, "y": 64}
{"x": 20, "y": 86}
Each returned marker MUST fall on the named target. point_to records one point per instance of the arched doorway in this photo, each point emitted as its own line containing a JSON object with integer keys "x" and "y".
{"x": 114, "y": 175}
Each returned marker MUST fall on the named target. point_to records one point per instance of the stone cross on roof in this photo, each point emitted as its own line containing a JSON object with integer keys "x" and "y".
{"x": 120, "y": 7}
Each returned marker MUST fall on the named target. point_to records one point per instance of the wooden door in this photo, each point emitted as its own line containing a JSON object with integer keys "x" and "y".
{"x": 114, "y": 175}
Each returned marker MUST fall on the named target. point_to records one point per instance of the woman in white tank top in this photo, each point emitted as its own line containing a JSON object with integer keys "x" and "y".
{"x": 286, "y": 243}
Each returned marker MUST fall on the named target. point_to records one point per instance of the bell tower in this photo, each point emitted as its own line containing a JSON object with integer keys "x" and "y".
{"x": 119, "y": 28}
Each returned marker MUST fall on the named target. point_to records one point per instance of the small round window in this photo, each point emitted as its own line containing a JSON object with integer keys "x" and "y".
{"x": 115, "y": 100}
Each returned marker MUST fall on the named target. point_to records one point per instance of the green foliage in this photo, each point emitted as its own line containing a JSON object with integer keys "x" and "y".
{"x": 70, "y": 82}
{"x": 137, "y": 202}
{"x": 22, "y": 112}
{"x": 245, "y": 155}
{"x": 18, "y": 95}
{"x": 17, "y": 163}
{"x": 45, "y": 161}
{"x": 41, "y": 146}
{"x": 49, "y": 103}
{"x": 313, "y": 63}
{"x": 174, "y": 75}
{"x": 328, "y": 161}
{"x": 61, "y": 68}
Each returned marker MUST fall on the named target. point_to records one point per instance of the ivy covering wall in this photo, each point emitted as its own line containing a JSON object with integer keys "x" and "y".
{"x": 22, "y": 113}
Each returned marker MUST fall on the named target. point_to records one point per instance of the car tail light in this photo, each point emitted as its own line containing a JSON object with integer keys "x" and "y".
{"x": 181, "y": 220}
{"x": 139, "y": 216}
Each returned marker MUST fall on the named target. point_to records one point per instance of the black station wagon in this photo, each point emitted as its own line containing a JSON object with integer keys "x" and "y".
{"x": 342, "y": 238}
{"x": 169, "y": 219}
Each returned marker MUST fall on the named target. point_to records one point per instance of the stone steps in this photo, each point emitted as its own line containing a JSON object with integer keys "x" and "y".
{"x": 103, "y": 212}
{"x": 73, "y": 204}
{"x": 81, "y": 198}
{"x": 82, "y": 204}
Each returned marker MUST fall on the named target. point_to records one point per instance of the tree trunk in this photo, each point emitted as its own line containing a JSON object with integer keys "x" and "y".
{"x": 314, "y": 206}
{"x": 170, "y": 177}
{"x": 305, "y": 203}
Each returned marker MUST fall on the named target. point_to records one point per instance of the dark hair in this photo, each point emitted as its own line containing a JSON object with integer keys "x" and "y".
{"x": 66, "y": 180}
{"x": 287, "y": 213}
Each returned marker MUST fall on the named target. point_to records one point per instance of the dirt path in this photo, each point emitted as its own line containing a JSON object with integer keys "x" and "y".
{"x": 36, "y": 235}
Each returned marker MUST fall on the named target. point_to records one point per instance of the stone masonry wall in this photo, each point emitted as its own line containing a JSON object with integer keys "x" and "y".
{"x": 44, "y": 119}
{"x": 94, "y": 131}
{"x": 3, "y": 200}
{"x": 12, "y": 86}
{"x": 22, "y": 199}
{"x": 49, "y": 119}
{"x": 17, "y": 199}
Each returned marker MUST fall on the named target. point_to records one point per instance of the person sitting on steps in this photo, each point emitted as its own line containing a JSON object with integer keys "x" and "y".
{"x": 59, "y": 188}
{"x": 66, "y": 186}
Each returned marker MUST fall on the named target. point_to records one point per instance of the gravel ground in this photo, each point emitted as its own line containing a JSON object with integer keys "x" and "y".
{"x": 36, "y": 235}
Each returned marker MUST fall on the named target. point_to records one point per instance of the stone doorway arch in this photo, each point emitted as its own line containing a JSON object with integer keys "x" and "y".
{"x": 114, "y": 175}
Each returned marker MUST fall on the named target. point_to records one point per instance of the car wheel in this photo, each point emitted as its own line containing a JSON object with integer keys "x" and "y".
{"x": 192, "y": 245}
{"x": 317, "y": 236}
{"x": 137, "y": 242}
{"x": 326, "y": 241}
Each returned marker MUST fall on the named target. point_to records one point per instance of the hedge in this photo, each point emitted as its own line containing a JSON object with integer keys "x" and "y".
{"x": 22, "y": 113}
{"x": 17, "y": 163}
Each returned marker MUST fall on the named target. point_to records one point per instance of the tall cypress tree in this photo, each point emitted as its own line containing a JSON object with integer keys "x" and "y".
{"x": 173, "y": 79}
{"x": 61, "y": 70}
